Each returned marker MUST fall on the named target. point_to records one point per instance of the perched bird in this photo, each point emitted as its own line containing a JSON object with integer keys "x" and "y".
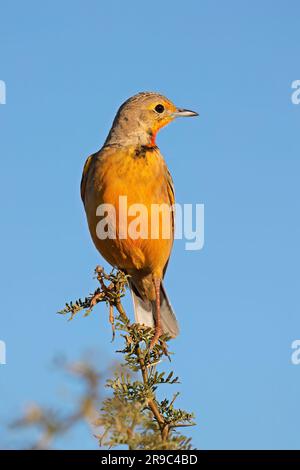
{"x": 130, "y": 164}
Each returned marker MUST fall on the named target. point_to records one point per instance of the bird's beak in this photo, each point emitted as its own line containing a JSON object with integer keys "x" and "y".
{"x": 184, "y": 113}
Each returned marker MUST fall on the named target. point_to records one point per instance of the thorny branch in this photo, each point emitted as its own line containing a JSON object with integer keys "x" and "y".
{"x": 132, "y": 415}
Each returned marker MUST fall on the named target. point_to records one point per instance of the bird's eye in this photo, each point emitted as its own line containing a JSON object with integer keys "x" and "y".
{"x": 159, "y": 108}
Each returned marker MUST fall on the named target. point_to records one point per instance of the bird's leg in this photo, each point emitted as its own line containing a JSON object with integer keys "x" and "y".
{"x": 158, "y": 328}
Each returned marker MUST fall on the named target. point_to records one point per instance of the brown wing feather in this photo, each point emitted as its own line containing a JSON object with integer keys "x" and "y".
{"x": 171, "y": 193}
{"x": 84, "y": 176}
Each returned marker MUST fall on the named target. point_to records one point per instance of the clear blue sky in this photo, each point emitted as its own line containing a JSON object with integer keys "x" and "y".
{"x": 67, "y": 67}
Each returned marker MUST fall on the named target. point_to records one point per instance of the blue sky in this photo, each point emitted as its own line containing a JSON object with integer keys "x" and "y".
{"x": 67, "y": 67}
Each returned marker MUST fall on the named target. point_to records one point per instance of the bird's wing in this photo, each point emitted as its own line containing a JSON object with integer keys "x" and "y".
{"x": 171, "y": 194}
{"x": 85, "y": 175}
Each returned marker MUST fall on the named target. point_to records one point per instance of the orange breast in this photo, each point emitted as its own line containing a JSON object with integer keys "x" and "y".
{"x": 143, "y": 228}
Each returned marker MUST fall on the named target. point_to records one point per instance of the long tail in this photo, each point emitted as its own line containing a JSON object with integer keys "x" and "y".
{"x": 144, "y": 312}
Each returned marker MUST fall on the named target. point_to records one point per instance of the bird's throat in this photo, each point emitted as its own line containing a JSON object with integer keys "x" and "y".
{"x": 143, "y": 150}
{"x": 152, "y": 141}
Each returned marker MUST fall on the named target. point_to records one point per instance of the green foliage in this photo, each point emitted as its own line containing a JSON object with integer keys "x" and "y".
{"x": 111, "y": 293}
{"x": 133, "y": 415}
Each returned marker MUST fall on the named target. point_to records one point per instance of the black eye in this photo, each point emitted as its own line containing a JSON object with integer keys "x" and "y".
{"x": 159, "y": 108}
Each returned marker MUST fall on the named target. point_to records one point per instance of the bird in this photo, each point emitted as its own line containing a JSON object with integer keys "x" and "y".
{"x": 130, "y": 165}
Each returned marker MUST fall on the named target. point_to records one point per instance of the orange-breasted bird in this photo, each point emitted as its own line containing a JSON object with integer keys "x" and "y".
{"x": 130, "y": 164}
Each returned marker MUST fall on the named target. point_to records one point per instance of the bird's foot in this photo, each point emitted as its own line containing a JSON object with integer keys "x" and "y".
{"x": 155, "y": 339}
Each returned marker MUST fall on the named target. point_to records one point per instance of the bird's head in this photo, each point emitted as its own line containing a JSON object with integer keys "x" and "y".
{"x": 141, "y": 117}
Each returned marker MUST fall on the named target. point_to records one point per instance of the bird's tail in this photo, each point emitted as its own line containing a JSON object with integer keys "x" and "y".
{"x": 144, "y": 312}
